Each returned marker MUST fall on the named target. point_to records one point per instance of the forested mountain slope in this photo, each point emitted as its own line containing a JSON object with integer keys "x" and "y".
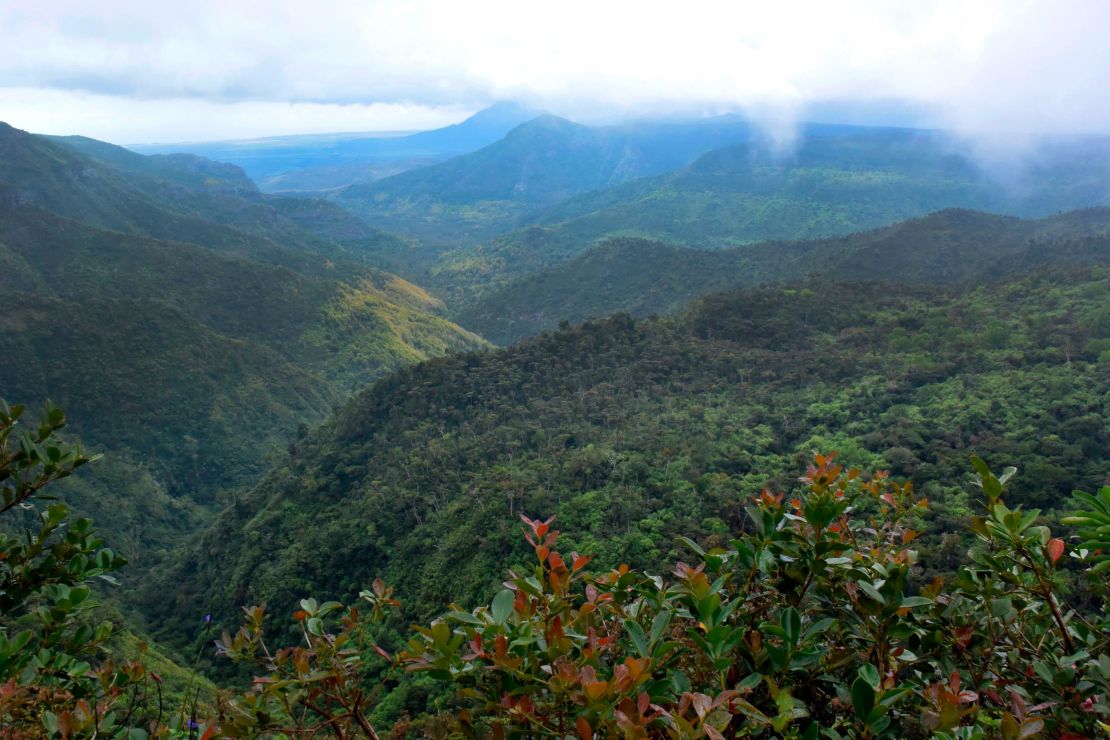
{"x": 191, "y": 349}
{"x": 223, "y": 194}
{"x": 836, "y": 181}
{"x": 539, "y": 163}
{"x": 644, "y": 277}
{"x": 633, "y": 432}
{"x": 323, "y": 162}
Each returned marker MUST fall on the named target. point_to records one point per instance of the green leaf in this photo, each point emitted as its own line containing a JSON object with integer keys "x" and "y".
{"x": 870, "y": 590}
{"x": 692, "y": 545}
{"x": 50, "y": 720}
{"x": 870, "y": 674}
{"x": 502, "y": 606}
{"x": 636, "y": 634}
{"x": 863, "y": 698}
{"x": 659, "y": 625}
{"x": 791, "y": 623}
{"x": 911, "y": 601}
{"x": 748, "y": 710}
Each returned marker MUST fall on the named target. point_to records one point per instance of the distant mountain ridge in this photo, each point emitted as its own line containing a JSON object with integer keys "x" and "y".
{"x": 539, "y": 163}
{"x": 837, "y": 181}
{"x": 644, "y": 277}
{"x": 304, "y": 163}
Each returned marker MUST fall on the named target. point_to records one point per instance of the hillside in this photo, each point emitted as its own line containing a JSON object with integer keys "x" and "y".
{"x": 325, "y": 162}
{"x": 190, "y": 349}
{"x": 633, "y": 432}
{"x": 275, "y": 228}
{"x": 836, "y": 181}
{"x": 345, "y": 331}
{"x": 476, "y": 196}
{"x": 643, "y": 277}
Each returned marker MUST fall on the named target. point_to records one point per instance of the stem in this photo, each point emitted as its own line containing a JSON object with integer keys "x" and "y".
{"x": 1046, "y": 594}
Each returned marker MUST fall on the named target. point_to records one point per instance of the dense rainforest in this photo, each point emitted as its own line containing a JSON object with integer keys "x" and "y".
{"x": 188, "y": 324}
{"x": 777, "y": 448}
{"x": 634, "y": 432}
{"x": 644, "y": 277}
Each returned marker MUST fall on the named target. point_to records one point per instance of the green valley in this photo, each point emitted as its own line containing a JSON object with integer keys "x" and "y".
{"x": 169, "y": 307}
{"x": 643, "y": 277}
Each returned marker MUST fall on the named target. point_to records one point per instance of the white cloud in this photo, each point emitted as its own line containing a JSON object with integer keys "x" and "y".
{"x": 137, "y": 121}
{"x": 1034, "y": 64}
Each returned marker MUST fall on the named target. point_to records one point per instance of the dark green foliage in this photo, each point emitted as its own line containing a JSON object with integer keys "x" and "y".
{"x": 644, "y": 277}
{"x": 633, "y": 432}
{"x": 192, "y": 359}
{"x": 539, "y": 163}
{"x": 46, "y": 574}
{"x": 836, "y": 181}
{"x": 804, "y": 624}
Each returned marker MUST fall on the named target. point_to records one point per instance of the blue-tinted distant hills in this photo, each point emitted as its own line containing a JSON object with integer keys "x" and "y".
{"x": 327, "y": 161}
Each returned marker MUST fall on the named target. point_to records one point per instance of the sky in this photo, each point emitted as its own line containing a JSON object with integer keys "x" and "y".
{"x": 166, "y": 71}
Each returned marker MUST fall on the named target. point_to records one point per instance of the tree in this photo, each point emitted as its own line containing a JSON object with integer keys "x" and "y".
{"x": 54, "y": 682}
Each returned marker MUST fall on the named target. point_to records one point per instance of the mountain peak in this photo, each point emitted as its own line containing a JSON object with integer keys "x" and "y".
{"x": 506, "y": 111}
{"x": 546, "y": 122}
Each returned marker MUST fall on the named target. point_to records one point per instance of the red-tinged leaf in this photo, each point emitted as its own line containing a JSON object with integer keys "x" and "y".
{"x": 555, "y": 632}
{"x": 155, "y": 677}
{"x": 596, "y": 690}
{"x": 209, "y": 734}
{"x": 585, "y": 732}
{"x": 1031, "y": 727}
{"x": 1017, "y": 703}
{"x": 888, "y": 498}
{"x": 520, "y": 603}
{"x": 386, "y": 655}
{"x": 1055, "y": 549}
{"x": 300, "y": 615}
{"x": 967, "y": 697}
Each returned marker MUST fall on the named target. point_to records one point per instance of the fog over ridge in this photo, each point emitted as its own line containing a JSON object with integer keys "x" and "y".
{"x": 140, "y": 72}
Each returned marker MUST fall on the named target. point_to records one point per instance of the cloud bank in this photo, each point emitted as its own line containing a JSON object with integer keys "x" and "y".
{"x": 134, "y": 71}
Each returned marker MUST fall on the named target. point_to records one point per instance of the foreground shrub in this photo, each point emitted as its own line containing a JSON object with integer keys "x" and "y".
{"x": 55, "y": 679}
{"x": 806, "y": 625}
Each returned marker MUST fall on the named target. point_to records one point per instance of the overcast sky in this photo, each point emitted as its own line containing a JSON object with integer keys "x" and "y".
{"x": 155, "y": 70}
